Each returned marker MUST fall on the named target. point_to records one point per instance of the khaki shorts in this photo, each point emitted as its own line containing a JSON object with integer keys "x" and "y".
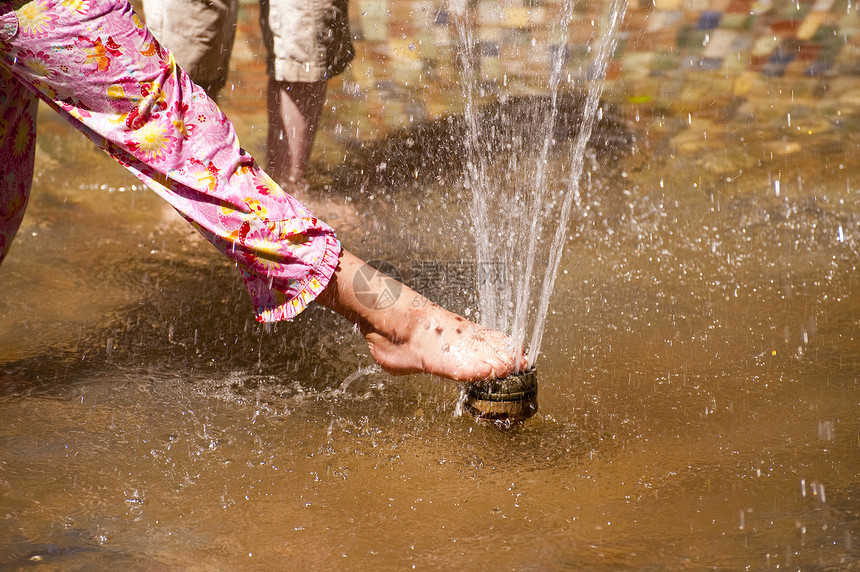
{"x": 306, "y": 40}
{"x": 199, "y": 33}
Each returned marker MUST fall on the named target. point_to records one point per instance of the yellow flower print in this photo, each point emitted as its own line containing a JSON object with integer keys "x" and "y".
{"x": 207, "y": 178}
{"x": 15, "y": 202}
{"x": 262, "y": 253}
{"x": 256, "y": 207}
{"x": 34, "y": 19}
{"x": 268, "y": 186}
{"x": 38, "y": 67}
{"x": 79, "y": 6}
{"x": 96, "y": 53}
{"x": 227, "y": 209}
{"x": 23, "y": 137}
{"x": 153, "y": 89}
{"x": 208, "y": 175}
{"x": 268, "y": 259}
{"x": 181, "y": 128}
{"x": 153, "y": 140}
{"x": 116, "y": 92}
{"x": 45, "y": 88}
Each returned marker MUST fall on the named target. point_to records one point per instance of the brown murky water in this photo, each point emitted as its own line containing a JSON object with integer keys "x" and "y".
{"x": 699, "y": 400}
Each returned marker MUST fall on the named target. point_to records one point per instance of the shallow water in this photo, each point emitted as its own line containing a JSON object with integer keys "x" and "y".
{"x": 698, "y": 377}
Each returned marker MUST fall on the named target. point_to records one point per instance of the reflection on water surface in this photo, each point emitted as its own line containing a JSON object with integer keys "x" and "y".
{"x": 698, "y": 399}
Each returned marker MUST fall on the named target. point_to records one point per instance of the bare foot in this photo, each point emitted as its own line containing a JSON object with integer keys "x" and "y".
{"x": 406, "y": 333}
{"x": 435, "y": 341}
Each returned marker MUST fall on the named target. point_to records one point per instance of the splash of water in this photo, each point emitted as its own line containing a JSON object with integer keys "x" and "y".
{"x": 515, "y": 208}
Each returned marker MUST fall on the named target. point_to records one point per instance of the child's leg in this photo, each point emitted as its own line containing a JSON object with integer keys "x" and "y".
{"x": 294, "y": 110}
{"x": 406, "y": 333}
{"x": 307, "y": 43}
{"x": 96, "y": 64}
{"x": 17, "y": 150}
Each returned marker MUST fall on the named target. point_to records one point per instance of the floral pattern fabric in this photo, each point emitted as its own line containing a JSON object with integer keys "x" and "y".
{"x": 96, "y": 64}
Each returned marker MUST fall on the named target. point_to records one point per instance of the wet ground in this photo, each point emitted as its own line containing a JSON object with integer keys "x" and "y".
{"x": 699, "y": 400}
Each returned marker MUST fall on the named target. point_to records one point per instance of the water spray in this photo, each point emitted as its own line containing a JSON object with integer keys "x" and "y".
{"x": 515, "y": 397}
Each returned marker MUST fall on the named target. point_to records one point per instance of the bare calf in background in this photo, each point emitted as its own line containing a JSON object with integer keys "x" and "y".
{"x": 307, "y": 43}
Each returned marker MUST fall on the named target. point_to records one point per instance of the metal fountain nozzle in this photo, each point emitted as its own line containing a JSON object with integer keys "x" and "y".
{"x": 512, "y": 398}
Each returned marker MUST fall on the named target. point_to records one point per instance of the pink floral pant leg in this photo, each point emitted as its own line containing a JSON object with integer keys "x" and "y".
{"x": 17, "y": 151}
{"x": 96, "y": 64}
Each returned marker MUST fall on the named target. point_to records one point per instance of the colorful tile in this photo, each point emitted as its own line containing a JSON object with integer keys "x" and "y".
{"x": 662, "y": 20}
{"x": 720, "y": 44}
{"x": 709, "y": 20}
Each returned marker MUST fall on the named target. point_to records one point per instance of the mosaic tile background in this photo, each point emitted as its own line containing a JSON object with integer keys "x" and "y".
{"x": 734, "y": 59}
